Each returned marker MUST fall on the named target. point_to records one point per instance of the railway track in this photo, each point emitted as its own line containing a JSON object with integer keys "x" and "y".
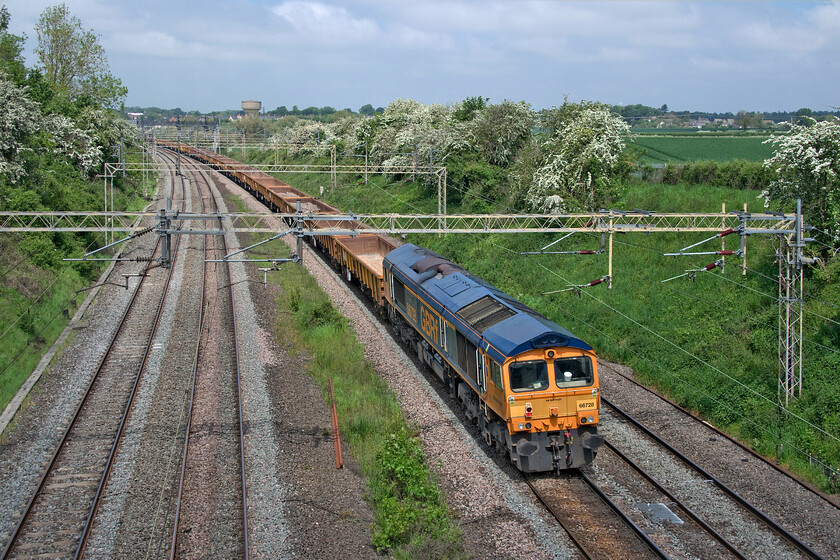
{"x": 682, "y": 493}
{"x": 202, "y": 526}
{"x": 57, "y": 519}
{"x": 595, "y": 524}
{"x": 746, "y": 450}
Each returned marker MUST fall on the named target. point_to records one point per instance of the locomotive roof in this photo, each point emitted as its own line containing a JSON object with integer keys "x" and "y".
{"x": 503, "y": 326}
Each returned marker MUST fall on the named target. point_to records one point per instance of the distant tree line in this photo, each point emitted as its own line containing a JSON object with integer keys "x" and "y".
{"x": 282, "y": 111}
{"x": 743, "y": 119}
{"x": 634, "y": 114}
{"x": 158, "y": 115}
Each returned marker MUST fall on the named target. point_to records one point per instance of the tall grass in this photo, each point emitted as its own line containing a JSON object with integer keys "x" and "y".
{"x": 411, "y": 513}
{"x": 29, "y": 326}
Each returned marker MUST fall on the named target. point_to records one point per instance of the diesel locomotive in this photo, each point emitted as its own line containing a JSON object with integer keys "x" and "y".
{"x": 530, "y": 385}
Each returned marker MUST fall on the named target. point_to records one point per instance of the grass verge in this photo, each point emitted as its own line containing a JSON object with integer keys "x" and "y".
{"x": 411, "y": 513}
{"x": 412, "y": 518}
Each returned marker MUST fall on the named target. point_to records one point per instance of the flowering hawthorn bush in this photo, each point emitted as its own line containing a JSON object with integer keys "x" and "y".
{"x": 807, "y": 166}
{"x": 581, "y": 156}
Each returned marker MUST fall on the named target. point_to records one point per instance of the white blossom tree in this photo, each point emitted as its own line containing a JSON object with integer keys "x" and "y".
{"x": 806, "y": 163}
{"x": 581, "y": 156}
{"x": 21, "y": 119}
{"x": 308, "y": 133}
{"x": 408, "y": 130}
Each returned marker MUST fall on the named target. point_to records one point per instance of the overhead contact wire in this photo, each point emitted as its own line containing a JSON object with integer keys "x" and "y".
{"x": 688, "y": 353}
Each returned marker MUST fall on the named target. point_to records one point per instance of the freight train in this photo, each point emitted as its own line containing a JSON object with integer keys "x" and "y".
{"x": 529, "y": 385}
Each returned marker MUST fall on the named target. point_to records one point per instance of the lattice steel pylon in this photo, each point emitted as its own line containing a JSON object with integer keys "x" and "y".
{"x": 790, "y": 324}
{"x": 791, "y": 310}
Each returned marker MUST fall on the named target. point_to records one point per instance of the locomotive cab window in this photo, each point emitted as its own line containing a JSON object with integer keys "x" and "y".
{"x": 399, "y": 291}
{"x": 495, "y": 373}
{"x": 528, "y": 376}
{"x": 573, "y": 372}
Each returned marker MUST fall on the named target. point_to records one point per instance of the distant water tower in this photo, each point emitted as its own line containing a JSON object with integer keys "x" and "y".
{"x": 252, "y": 108}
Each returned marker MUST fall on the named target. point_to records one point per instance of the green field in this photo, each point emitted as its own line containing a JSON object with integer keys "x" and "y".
{"x": 681, "y": 148}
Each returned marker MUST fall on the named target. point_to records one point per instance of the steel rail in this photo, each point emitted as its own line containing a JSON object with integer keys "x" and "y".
{"x": 194, "y": 376}
{"x": 718, "y": 431}
{"x": 805, "y": 549}
{"x": 240, "y": 408}
{"x": 559, "y": 517}
{"x": 76, "y": 413}
{"x": 613, "y": 506}
{"x": 118, "y": 438}
{"x": 241, "y": 420}
{"x": 200, "y": 171}
{"x": 688, "y": 511}
{"x": 40, "y": 485}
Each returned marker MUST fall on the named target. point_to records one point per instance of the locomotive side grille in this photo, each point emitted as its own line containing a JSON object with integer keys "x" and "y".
{"x": 484, "y": 313}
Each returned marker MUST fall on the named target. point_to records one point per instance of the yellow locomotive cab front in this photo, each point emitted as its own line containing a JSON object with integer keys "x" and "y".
{"x": 553, "y": 393}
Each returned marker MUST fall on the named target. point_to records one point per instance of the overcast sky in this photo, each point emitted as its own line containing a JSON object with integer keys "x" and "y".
{"x": 699, "y": 56}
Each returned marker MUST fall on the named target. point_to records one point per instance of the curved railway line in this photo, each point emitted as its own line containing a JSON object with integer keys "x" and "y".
{"x": 65, "y": 516}
{"x": 72, "y": 482}
{"x": 209, "y": 442}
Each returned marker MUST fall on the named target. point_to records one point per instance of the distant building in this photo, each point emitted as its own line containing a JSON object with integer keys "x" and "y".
{"x": 252, "y": 108}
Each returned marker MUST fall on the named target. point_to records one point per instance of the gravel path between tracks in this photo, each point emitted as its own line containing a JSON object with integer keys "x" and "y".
{"x": 801, "y": 512}
{"x": 491, "y": 504}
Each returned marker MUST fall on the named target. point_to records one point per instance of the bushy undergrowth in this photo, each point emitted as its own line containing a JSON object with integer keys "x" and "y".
{"x": 38, "y": 290}
{"x": 412, "y": 519}
{"x": 734, "y": 174}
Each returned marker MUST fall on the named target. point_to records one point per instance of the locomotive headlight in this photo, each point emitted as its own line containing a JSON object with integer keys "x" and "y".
{"x": 591, "y": 419}
{"x": 521, "y": 426}
{"x": 583, "y": 419}
{"x": 528, "y": 425}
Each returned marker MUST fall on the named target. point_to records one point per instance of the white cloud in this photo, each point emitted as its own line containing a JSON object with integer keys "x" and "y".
{"x": 408, "y": 37}
{"x": 793, "y": 39}
{"x": 689, "y": 54}
{"x": 165, "y": 45}
{"x": 315, "y": 22}
{"x": 812, "y": 31}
